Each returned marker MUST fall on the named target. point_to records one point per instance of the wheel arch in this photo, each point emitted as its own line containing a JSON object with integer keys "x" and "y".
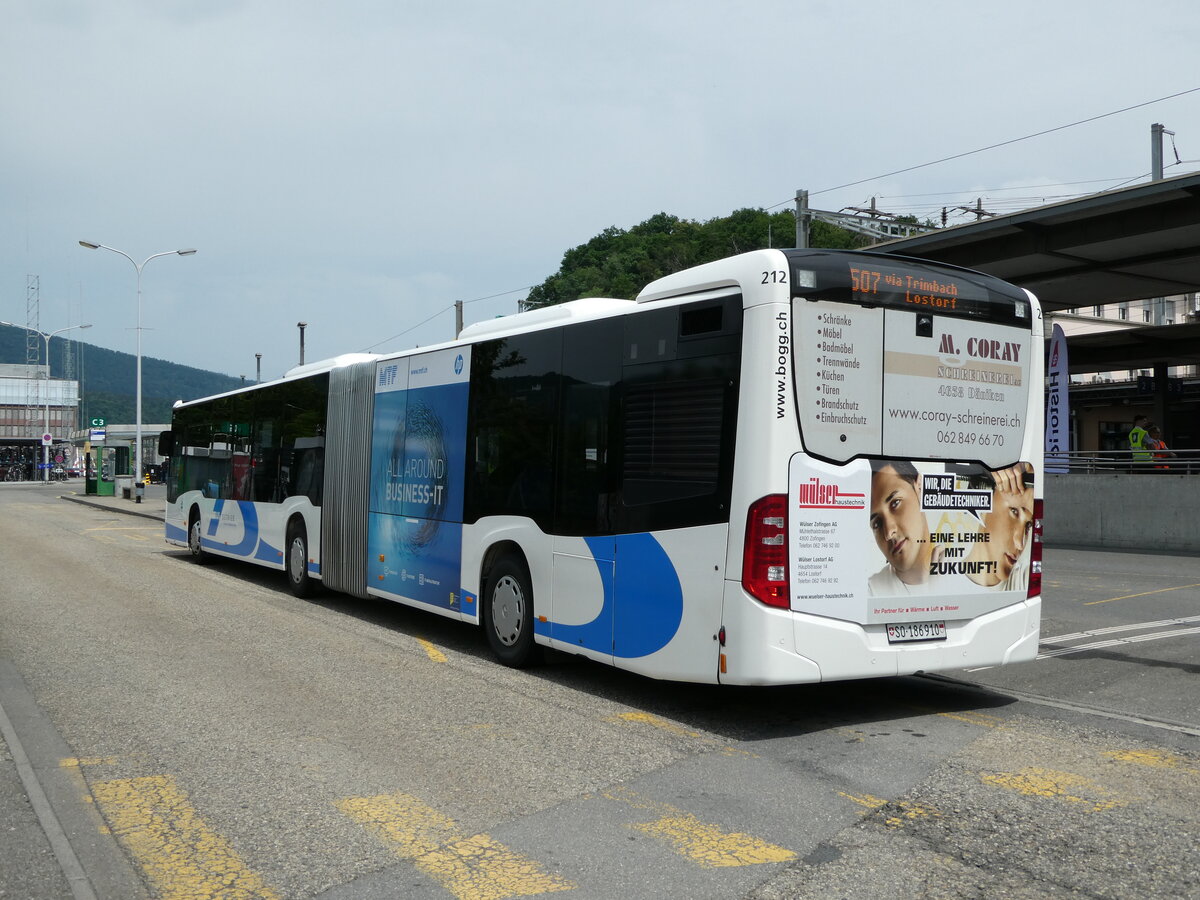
{"x": 497, "y": 552}
{"x": 296, "y": 518}
{"x": 195, "y": 523}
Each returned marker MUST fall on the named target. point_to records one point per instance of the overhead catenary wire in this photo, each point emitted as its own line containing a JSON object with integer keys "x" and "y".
{"x": 1014, "y": 203}
{"x": 442, "y": 311}
{"x": 952, "y": 202}
{"x": 1020, "y": 187}
{"x": 995, "y": 146}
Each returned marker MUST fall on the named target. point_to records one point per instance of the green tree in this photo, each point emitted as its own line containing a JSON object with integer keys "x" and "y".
{"x": 619, "y": 263}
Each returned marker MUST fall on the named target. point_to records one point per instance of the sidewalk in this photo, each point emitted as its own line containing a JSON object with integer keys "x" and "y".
{"x": 153, "y": 505}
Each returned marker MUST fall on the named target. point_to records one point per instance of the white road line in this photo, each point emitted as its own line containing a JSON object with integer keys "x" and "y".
{"x": 1181, "y": 727}
{"x": 1113, "y": 629}
{"x": 1097, "y": 645}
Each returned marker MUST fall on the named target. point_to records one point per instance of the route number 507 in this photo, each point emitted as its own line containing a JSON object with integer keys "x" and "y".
{"x": 864, "y": 281}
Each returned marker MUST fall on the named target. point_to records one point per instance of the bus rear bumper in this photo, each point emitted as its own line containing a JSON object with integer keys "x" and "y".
{"x": 767, "y": 646}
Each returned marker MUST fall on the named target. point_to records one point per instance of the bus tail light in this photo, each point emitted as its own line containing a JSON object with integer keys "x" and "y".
{"x": 765, "y": 554}
{"x": 1035, "y": 552}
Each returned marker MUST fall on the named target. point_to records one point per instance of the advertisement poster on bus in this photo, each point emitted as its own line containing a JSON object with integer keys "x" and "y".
{"x": 952, "y": 388}
{"x": 884, "y": 541}
{"x": 418, "y": 443}
{"x": 960, "y": 391}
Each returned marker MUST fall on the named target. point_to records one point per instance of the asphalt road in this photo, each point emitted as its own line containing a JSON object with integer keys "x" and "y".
{"x": 174, "y": 730}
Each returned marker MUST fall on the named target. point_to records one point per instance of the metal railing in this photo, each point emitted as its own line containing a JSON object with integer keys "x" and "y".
{"x": 1182, "y": 462}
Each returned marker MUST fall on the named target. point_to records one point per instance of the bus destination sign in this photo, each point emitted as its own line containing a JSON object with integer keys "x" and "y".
{"x": 918, "y": 290}
{"x": 878, "y": 280}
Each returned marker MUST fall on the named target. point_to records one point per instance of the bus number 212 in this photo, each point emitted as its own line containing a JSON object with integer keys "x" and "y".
{"x": 778, "y": 276}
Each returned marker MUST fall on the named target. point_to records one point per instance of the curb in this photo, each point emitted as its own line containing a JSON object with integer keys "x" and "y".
{"x": 156, "y": 516}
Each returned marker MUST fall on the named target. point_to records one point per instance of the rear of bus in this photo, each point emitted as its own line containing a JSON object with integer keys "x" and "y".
{"x": 886, "y": 508}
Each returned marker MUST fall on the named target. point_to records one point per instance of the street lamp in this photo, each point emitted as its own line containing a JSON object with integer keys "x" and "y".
{"x": 137, "y": 466}
{"x": 46, "y": 337}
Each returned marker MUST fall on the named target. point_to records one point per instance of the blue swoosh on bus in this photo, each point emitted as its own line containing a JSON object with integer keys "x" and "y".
{"x": 650, "y": 600}
{"x": 249, "y": 533}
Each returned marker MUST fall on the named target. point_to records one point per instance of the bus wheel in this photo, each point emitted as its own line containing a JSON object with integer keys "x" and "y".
{"x": 194, "y": 529}
{"x": 297, "y": 561}
{"x": 508, "y": 613}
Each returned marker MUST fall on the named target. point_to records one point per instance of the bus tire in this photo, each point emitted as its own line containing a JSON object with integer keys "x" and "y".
{"x": 296, "y": 560}
{"x": 508, "y": 613}
{"x": 195, "y": 529}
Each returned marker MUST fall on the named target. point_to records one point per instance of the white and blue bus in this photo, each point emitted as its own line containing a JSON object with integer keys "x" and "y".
{"x": 786, "y": 466}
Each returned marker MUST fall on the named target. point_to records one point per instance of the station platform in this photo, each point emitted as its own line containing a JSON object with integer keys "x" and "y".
{"x": 153, "y": 505}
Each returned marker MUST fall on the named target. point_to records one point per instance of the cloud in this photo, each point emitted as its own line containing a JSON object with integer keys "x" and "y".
{"x": 363, "y": 165}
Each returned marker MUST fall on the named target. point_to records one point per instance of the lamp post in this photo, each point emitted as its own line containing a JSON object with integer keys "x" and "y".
{"x": 46, "y": 337}
{"x": 137, "y": 466}
{"x": 301, "y": 326}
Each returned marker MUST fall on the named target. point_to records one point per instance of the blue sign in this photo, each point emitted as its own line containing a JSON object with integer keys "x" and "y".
{"x": 418, "y": 448}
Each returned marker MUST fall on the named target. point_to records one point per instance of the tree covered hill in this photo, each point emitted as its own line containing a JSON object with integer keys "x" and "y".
{"x": 619, "y": 263}
{"x": 109, "y": 378}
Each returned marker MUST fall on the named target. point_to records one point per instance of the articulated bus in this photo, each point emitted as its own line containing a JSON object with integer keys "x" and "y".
{"x": 787, "y": 466}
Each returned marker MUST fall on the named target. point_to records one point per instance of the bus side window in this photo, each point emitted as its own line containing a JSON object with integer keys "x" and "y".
{"x": 309, "y": 473}
{"x": 267, "y": 427}
{"x": 591, "y": 371}
{"x": 677, "y": 427}
{"x": 513, "y": 426}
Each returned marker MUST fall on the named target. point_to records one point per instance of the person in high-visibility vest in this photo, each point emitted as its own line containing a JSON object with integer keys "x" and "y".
{"x": 1137, "y": 440}
{"x": 1158, "y": 447}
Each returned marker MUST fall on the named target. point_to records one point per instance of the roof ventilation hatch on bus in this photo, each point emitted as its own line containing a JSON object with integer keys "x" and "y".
{"x": 558, "y": 314}
{"x": 692, "y": 293}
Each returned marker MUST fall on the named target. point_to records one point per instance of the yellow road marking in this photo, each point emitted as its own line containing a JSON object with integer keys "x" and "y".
{"x": 431, "y": 651}
{"x": 1159, "y": 759}
{"x": 406, "y": 824}
{"x": 908, "y": 811}
{"x": 179, "y": 853}
{"x": 480, "y": 868}
{"x": 72, "y": 762}
{"x": 470, "y": 868}
{"x": 710, "y": 846}
{"x": 1143, "y": 594}
{"x": 119, "y": 528}
{"x": 654, "y": 721}
{"x": 1037, "y": 782}
{"x": 702, "y": 843}
{"x": 104, "y": 535}
{"x": 867, "y": 801}
{"x": 975, "y": 718}
{"x": 969, "y": 716}
{"x": 644, "y": 718}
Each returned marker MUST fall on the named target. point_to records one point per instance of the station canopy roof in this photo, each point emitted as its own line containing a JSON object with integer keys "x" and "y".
{"x": 1134, "y": 348}
{"x": 1134, "y": 243}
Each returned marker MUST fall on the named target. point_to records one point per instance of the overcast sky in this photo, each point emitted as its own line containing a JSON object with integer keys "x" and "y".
{"x": 363, "y": 165}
